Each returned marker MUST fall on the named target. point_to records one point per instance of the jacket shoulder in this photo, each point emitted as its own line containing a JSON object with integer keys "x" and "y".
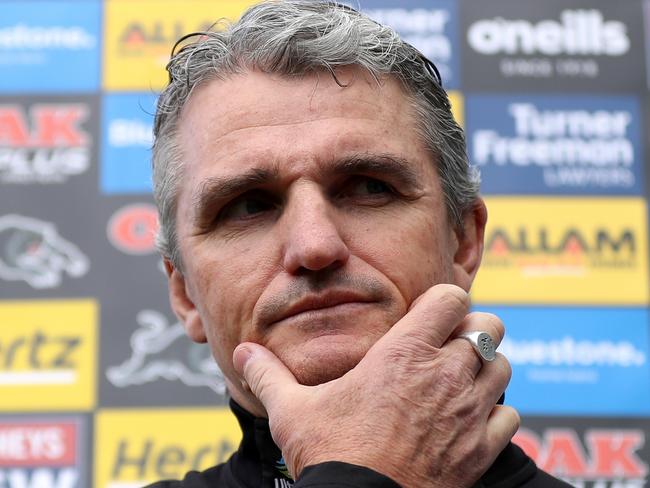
{"x": 544, "y": 480}
{"x": 215, "y": 477}
{"x": 514, "y": 469}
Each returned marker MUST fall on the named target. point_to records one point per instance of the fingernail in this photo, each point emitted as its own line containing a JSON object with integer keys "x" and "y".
{"x": 240, "y": 357}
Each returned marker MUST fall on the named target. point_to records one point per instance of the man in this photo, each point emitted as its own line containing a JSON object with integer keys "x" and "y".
{"x": 321, "y": 228}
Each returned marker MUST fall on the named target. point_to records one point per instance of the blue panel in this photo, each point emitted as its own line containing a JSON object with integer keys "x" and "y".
{"x": 535, "y": 144}
{"x": 429, "y": 25}
{"x": 50, "y": 46}
{"x": 577, "y": 361}
{"x": 127, "y": 121}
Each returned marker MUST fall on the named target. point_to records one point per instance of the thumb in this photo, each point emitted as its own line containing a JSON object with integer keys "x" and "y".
{"x": 268, "y": 378}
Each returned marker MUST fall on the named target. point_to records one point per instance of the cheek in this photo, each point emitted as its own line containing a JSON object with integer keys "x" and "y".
{"x": 413, "y": 254}
{"x": 229, "y": 284}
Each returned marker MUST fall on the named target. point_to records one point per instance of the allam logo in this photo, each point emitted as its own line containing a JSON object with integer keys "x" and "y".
{"x": 538, "y": 251}
{"x": 576, "y": 32}
{"x": 137, "y": 46}
{"x": 564, "y": 250}
{"x": 143, "y": 38}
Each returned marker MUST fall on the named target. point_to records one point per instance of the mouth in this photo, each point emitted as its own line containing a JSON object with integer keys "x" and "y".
{"x": 314, "y": 306}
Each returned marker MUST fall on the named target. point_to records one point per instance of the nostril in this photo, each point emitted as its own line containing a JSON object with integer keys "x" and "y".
{"x": 332, "y": 266}
{"x": 315, "y": 254}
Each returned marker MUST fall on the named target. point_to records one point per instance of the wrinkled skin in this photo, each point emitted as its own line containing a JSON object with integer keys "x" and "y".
{"x": 310, "y": 220}
{"x": 418, "y": 407}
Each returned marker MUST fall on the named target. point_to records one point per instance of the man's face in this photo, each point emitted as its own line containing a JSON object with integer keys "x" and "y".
{"x": 310, "y": 216}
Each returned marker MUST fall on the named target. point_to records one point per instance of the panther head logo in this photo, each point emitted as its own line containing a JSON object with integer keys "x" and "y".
{"x": 32, "y": 250}
{"x": 161, "y": 350}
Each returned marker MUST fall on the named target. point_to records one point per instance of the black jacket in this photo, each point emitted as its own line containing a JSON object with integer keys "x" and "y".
{"x": 258, "y": 464}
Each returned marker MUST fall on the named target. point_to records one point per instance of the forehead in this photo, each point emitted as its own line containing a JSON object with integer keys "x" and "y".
{"x": 256, "y": 118}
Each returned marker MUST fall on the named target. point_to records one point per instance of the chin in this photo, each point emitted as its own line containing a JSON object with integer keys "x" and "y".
{"x": 323, "y": 348}
{"x": 318, "y": 365}
{"x": 312, "y": 374}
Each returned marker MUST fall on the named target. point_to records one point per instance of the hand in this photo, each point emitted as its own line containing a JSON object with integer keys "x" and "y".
{"x": 419, "y": 407}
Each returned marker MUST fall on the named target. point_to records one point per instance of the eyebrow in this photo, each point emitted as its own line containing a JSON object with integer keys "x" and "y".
{"x": 218, "y": 189}
{"x": 395, "y": 168}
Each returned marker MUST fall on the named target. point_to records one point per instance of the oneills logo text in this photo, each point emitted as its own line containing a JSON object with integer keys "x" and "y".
{"x": 578, "y": 32}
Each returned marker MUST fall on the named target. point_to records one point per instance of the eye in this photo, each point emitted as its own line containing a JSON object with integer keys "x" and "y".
{"x": 366, "y": 187}
{"x": 373, "y": 186}
{"x": 247, "y": 206}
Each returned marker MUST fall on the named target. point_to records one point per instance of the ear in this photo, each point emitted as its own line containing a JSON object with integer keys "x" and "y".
{"x": 182, "y": 303}
{"x": 470, "y": 245}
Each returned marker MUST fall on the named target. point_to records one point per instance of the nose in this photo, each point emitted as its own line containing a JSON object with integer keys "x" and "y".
{"x": 313, "y": 241}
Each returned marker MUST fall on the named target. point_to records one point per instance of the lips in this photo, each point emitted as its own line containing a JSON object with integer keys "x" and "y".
{"x": 313, "y": 303}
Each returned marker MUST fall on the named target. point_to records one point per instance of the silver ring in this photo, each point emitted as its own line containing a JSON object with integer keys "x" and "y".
{"x": 482, "y": 343}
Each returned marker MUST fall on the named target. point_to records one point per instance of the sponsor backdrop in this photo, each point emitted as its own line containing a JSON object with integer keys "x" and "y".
{"x": 554, "y": 99}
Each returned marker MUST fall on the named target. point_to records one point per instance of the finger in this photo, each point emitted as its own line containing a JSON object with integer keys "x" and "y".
{"x": 434, "y": 315}
{"x": 267, "y": 377}
{"x": 492, "y": 380}
{"x": 482, "y": 321}
{"x": 462, "y": 349}
{"x": 501, "y": 426}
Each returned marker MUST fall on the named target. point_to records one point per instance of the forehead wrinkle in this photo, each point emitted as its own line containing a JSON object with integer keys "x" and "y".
{"x": 315, "y": 111}
{"x": 219, "y": 140}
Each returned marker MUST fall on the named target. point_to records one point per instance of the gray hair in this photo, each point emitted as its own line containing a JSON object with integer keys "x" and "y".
{"x": 294, "y": 38}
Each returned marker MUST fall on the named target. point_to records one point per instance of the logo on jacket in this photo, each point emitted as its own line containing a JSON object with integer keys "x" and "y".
{"x": 281, "y": 466}
{"x": 32, "y": 250}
